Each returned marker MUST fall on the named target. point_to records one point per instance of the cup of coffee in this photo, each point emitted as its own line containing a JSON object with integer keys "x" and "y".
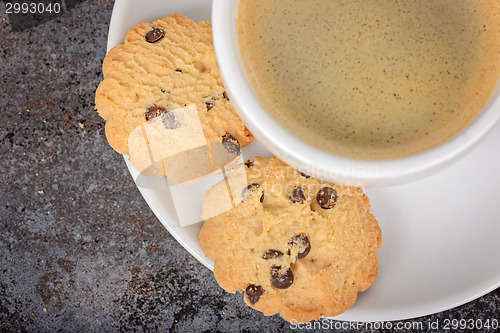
{"x": 362, "y": 92}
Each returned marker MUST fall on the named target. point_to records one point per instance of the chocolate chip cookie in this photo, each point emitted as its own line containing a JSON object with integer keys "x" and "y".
{"x": 161, "y": 67}
{"x": 293, "y": 244}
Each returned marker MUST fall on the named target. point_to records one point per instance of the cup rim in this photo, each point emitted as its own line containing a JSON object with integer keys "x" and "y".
{"x": 315, "y": 161}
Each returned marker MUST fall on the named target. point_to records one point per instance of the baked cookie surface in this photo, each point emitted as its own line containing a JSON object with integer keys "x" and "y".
{"x": 164, "y": 66}
{"x": 293, "y": 244}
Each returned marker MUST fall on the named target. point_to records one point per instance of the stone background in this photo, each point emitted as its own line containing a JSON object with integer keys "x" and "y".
{"x": 80, "y": 251}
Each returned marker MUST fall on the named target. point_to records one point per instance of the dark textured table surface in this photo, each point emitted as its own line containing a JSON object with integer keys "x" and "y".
{"x": 80, "y": 249}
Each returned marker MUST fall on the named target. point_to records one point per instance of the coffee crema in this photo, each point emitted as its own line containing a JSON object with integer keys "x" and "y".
{"x": 370, "y": 78}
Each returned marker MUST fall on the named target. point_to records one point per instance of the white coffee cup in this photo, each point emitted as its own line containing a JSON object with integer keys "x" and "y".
{"x": 317, "y": 162}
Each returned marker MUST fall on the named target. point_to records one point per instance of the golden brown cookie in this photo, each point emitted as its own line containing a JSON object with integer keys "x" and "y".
{"x": 161, "y": 67}
{"x": 295, "y": 245}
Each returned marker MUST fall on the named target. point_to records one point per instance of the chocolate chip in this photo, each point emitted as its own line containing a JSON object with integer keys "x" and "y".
{"x": 304, "y": 175}
{"x": 178, "y": 70}
{"x": 169, "y": 121}
{"x": 154, "y": 35}
{"x": 302, "y": 243}
{"x": 298, "y": 195}
{"x": 249, "y": 163}
{"x": 281, "y": 278}
{"x": 154, "y": 111}
{"x": 327, "y": 197}
{"x": 231, "y": 144}
{"x": 250, "y": 187}
{"x": 272, "y": 254}
{"x": 224, "y": 94}
{"x": 209, "y": 104}
{"x": 262, "y": 197}
{"x": 253, "y": 293}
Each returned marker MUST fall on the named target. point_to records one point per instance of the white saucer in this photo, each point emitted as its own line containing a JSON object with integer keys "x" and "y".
{"x": 441, "y": 234}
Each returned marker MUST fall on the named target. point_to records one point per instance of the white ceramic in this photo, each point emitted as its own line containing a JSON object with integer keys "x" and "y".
{"x": 440, "y": 233}
{"x": 313, "y": 160}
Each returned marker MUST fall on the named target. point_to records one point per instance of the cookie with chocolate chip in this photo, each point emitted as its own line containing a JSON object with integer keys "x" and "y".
{"x": 163, "y": 67}
{"x": 291, "y": 243}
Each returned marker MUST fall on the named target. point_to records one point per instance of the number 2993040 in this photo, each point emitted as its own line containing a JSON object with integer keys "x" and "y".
{"x": 32, "y": 8}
